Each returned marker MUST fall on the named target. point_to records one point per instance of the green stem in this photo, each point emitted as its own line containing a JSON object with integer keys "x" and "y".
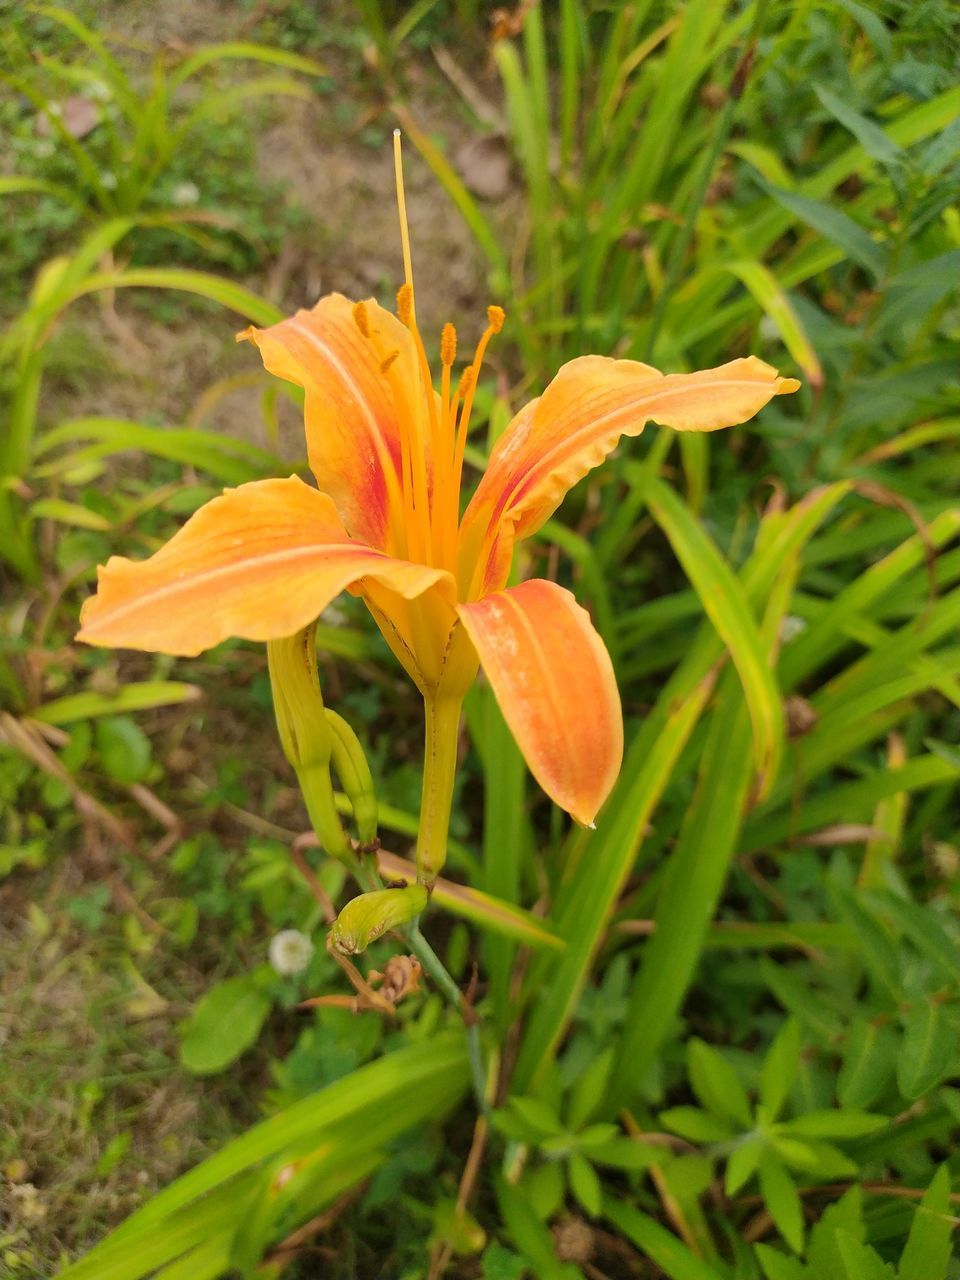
{"x": 438, "y": 971}
{"x": 439, "y": 771}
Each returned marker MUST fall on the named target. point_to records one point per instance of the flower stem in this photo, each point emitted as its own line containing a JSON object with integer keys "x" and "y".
{"x": 438, "y": 971}
{"x": 439, "y": 771}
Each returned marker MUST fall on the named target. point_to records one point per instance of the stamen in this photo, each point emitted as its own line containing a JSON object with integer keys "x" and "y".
{"x": 448, "y": 345}
{"x": 495, "y": 318}
{"x": 468, "y": 385}
{"x": 402, "y": 209}
{"x": 467, "y": 379}
{"x": 405, "y": 305}
{"x": 361, "y": 319}
{"x": 388, "y": 361}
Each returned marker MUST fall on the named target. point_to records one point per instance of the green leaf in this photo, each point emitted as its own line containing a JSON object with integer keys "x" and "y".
{"x": 869, "y": 1061}
{"x": 927, "y": 1253}
{"x": 860, "y": 1261}
{"x": 124, "y": 749}
{"x": 778, "y": 1266}
{"x": 780, "y": 1067}
{"x": 585, "y": 1184}
{"x": 224, "y": 1024}
{"x": 743, "y": 1163}
{"x": 835, "y": 1124}
{"x": 845, "y": 1214}
{"x": 724, "y": 601}
{"x": 877, "y": 144}
{"x": 673, "y": 1257}
{"x": 717, "y": 1084}
{"x": 130, "y": 697}
{"x": 780, "y": 1196}
{"x": 834, "y": 226}
{"x": 538, "y": 1115}
{"x": 696, "y": 1125}
{"x": 587, "y": 1094}
{"x": 928, "y": 1052}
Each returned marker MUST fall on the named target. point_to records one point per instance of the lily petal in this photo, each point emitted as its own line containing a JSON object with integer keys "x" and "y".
{"x": 555, "y": 685}
{"x": 353, "y": 436}
{"x": 593, "y": 400}
{"x": 260, "y": 562}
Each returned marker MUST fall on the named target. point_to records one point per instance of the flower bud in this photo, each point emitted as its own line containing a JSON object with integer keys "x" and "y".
{"x": 369, "y": 917}
{"x": 352, "y": 769}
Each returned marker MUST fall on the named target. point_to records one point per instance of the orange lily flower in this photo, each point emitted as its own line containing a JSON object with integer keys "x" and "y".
{"x": 263, "y": 560}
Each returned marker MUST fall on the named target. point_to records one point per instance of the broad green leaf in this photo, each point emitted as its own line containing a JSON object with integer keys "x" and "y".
{"x": 780, "y": 1196}
{"x": 139, "y": 696}
{"x": 860, "y": 1262}
{"x": 780, "y": 1068}
{"x": 835, "y": 1124}
{"x": 716, "y": 1083}
{"x": 877, "y": 144}
{"x": 742, "y": 1164}
{"x": 72, "y": 513}
{"x": 588, "y": 1091}
{"x": 869, "y": 1062}
{"x": 585, "y": 1184}
{"x": 835, "y": 226}
{"x": 124, "y": 749}
{"x": 223, "y": 1025}
{"x": 928, "y": 1052}
{"x": 779, "y": 1266}
{"x": 696, "y": 1125}
{"x": 846, "y": 1215}
{"x": 927, "y": 1253}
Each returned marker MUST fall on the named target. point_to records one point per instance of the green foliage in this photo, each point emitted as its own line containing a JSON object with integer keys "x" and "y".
{"x": 722, "y": 1028}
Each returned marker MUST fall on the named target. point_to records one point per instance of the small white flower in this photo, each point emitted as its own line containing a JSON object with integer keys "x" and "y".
{"x": 109, "y": 180}
{"x": 44, "y": 148}
{"x": 290, "y": 952}
{"x": 185, "y": 193}
{"x": 100, "y": 90}
{"x": 791, "y": 627}
{"x": 768, "y": 330}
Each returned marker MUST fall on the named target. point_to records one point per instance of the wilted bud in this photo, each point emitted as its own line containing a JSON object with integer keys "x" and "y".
{"x": 369, "y": 917}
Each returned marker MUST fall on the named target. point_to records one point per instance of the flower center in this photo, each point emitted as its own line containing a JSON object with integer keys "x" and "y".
{"x": 430, "y": 477}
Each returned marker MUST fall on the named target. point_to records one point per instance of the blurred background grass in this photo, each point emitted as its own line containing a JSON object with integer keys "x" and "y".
{"x": 679, "y": 183}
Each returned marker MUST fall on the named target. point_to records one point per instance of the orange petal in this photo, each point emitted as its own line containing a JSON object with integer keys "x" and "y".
{"x": 592, "y": 401}
{"x": 555, "y": 685}
{"x": 260, "y": 562}
{"x": 353, "y": 437}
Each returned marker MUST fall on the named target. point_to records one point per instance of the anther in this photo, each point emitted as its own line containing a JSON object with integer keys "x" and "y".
{"x": 385, "y": 364}
{"x": 361, "y": 319}
{"x": 405, "y": 303}
{"x": 467, "y": 379}
{"x": 448, "y": 345}
{"x": 495, "y": 318}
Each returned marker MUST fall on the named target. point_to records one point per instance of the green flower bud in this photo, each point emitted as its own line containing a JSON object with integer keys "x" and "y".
{"x": 352, "y": 769}
{"x": 368, "y": 917}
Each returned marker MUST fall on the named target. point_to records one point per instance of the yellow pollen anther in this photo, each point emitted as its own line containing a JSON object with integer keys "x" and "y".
{"x": 448, "y": 345}
{"x": 467, "y": 379}
{"x": 405, "y": 303}
{"x": 495, "y": 318}
{"x": 386, "y": 363}
{"x": 361, "y": 319}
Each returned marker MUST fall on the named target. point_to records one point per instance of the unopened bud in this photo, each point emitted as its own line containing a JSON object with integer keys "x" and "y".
{"x": 352, "y": 769}
{"x": 371, "y": 915}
